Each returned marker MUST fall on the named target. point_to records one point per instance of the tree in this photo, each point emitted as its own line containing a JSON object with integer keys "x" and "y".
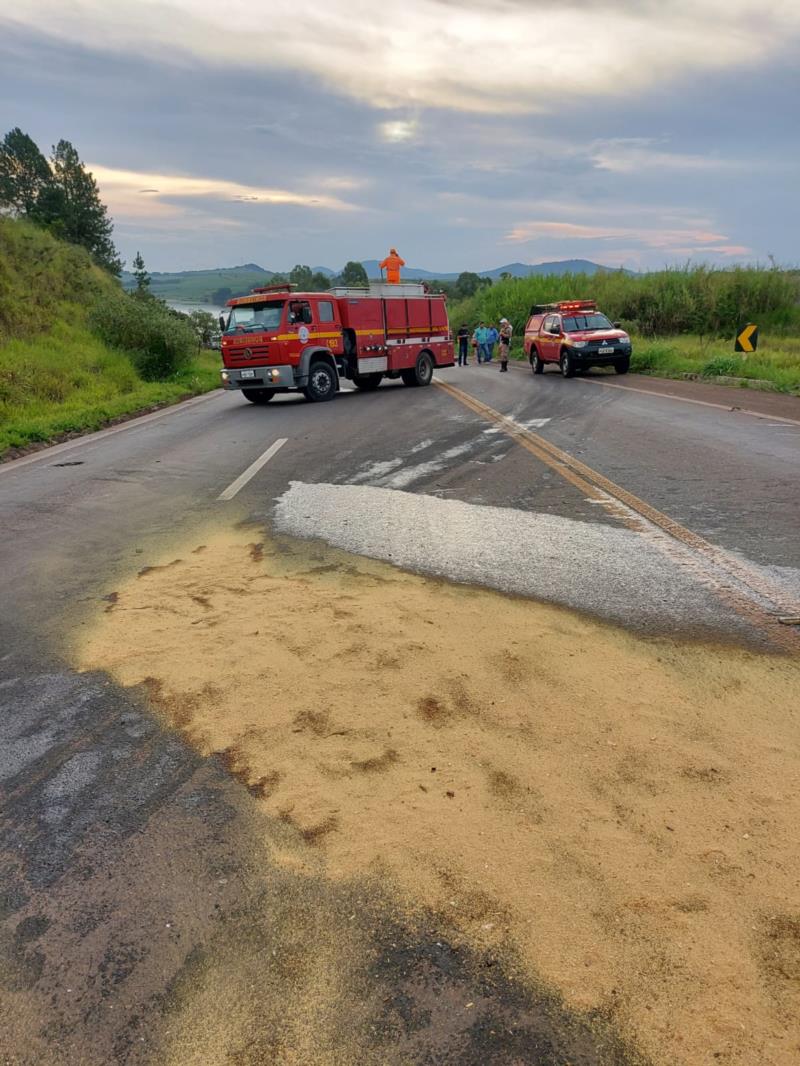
{"x": 24, "y": 173}
{"x": 205, "y": 326}
{"x": 506, "y": 276}
{"x": 467, "y": 284}
{"x": 301, "y": 276}
{"x": 141, "y": 275}
{"x": 221, "y": 296}
{"x": 320, "y": 282}
{"x": 70, "y": 205}
{"x": 354, "y": 276}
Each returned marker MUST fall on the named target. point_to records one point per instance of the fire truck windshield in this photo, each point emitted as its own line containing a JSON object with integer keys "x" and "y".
{"x": 256, "y": 316}
{"x": 576, "y": 323}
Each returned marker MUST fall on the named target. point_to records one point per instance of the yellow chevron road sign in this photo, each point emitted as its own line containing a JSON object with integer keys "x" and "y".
{"x": 747, "y": 341}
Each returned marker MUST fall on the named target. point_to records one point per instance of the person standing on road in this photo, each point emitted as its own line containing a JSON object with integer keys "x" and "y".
{"x": 463, "y": 345}
{"x": 506, "y": 330}
{"x": 492, "y": 336}
{"x": 480, "y": 337}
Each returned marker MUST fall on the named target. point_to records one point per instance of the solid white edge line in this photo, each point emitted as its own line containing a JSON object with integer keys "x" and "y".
{"x": 682, "y": 399}
{"x": 252, "y": 470}
{"x": 689, "y": 399}
{"x": 132, "y": 423}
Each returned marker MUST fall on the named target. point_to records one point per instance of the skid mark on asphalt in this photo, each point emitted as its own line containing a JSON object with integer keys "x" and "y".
{"x": 747, "y": 589}
{"x": 605, "y": 813}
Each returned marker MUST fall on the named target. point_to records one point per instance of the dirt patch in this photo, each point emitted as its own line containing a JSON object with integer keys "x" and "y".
{"x": 612, "y": 812}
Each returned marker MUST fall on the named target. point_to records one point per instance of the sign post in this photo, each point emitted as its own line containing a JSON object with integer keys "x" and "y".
{"x": 747, "y": 338}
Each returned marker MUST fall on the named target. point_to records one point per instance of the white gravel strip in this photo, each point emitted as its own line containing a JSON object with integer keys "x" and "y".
{"x": 599, "y": 568}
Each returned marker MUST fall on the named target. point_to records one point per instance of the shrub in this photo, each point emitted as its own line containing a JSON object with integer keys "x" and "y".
{"x": 721, "y": 366}
{"x": 160, "y": 344}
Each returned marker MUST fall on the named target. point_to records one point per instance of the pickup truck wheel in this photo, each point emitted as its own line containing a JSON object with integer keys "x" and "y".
{"x": 258, "y": 395}
{"x": 567, "y": 365}
{"x": 422, "y": 374}
{"x": 367, "y": 382}
{"x": 321, "y": 383}
{"x": 537, "y": 366}
{"x": 622, "y": 366}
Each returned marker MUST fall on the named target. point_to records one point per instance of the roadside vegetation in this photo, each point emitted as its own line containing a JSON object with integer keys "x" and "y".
{"x": 77, "y": 353}
{"x": 683, "y": 321}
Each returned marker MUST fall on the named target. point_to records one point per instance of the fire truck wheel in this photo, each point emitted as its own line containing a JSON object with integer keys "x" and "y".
{"x": 258, "y": 395}
{"x": 321, "y": 383}
{"x": 537, "y": 366}
{"x": 367, "y": 382}
{"x": 422, "y": 374}
{"x": 567, "y": 365}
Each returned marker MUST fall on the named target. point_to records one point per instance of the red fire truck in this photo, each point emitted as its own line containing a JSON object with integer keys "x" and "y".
{"x": 279, "y": 340}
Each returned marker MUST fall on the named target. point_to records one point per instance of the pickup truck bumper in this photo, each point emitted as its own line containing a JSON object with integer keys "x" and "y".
{"x": 582, "y": 357}
{"x": 258, "y": 377}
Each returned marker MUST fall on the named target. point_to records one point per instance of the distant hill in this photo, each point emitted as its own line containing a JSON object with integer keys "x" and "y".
{"x": 218, "y": 285}
{"x": 204, "y": 286}
{"x": 517, "y": 270}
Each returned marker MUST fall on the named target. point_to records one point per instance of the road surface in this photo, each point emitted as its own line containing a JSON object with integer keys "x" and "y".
{"x": 158, "y": 905}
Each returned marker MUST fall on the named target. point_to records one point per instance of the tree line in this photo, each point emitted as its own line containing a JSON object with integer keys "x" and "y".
{"x": 57, "y": 193}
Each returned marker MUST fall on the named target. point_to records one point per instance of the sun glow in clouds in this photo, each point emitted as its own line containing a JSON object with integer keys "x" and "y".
{"x": 435, "y": 53}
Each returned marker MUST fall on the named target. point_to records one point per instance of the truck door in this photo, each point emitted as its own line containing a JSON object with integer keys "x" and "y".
{"x": 550, "y": 339}
{"x": 327, "y": 329}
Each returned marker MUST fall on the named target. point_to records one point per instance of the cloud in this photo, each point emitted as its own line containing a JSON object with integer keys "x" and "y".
{"x": 133, "y": 194}
{"x": 628, "y": 155}
{"x": 506, "y": 56}
{"x": 678, "y": 241}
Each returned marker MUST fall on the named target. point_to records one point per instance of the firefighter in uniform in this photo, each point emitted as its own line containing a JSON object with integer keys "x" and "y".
{"x": 391, "y": 265}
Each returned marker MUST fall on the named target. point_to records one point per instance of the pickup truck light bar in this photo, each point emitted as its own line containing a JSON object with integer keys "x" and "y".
{"x": 565, "y": 307}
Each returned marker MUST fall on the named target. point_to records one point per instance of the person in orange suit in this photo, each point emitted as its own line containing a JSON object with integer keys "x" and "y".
{"x": 391, "y": 265}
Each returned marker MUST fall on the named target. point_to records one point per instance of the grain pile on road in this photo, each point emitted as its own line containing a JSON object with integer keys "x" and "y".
{"x": 617, "y": 817}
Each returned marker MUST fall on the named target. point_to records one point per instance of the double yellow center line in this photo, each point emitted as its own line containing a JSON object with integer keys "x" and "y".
{"x": 744, "y": 588}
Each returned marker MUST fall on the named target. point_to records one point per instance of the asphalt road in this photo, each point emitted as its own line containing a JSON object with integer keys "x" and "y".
{"x": 124, "y": 856}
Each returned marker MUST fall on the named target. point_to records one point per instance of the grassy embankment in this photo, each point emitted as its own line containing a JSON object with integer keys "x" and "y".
{"x": 682, "y": 321}
{"x": 56, "y": 376}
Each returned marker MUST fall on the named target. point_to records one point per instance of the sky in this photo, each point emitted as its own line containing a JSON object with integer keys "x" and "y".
{"x": 468, "y": 134}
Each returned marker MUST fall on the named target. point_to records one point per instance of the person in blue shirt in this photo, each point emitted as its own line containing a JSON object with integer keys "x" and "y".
{"x": 492, "y": 336}
{"x": 481, "y": 338}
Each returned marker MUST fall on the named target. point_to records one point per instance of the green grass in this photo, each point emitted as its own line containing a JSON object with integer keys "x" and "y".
{"x": 57, "y": 377}
{"x": 777, "y": 360}
{"x": 67, "y": 381}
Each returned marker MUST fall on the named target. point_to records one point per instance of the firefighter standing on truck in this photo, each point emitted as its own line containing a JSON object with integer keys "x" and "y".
{"x": 391, "y": 265}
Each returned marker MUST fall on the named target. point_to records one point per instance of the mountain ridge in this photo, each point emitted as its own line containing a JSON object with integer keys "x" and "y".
{"x": 219, "y": 283}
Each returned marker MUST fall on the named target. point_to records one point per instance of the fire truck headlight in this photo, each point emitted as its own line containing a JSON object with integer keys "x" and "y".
{"x": 224, "y": 374}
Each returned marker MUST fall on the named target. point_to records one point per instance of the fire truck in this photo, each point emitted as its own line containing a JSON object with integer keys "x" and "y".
{"x": 278, "y": 340}
{"x": 574, "y": 335}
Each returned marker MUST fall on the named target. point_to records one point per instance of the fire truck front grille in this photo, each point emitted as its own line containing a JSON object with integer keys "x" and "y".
{"x": 257, "y": 351}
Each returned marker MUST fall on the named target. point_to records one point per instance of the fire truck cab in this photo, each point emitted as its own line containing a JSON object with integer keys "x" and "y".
{"x": 278, "y": 340}
{"x": 574, "y": 335}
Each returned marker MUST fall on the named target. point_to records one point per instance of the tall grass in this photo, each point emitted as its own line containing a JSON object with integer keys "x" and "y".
{"x": 700, "y": 300}
{"x": 68, "y": 381}
{"x": 38, "y": 275}
{"x": 58, "y": 376}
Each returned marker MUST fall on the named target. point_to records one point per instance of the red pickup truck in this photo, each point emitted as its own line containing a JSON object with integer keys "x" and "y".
{"x": 574, "y": 335}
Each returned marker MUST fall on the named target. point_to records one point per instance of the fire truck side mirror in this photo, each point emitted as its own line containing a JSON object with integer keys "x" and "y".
{"x": 222, "y": 323}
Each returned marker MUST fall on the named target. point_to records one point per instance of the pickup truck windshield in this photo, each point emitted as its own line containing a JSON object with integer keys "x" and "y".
{"x": 576, "y": 323}
{"x": 256, "y": 317}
